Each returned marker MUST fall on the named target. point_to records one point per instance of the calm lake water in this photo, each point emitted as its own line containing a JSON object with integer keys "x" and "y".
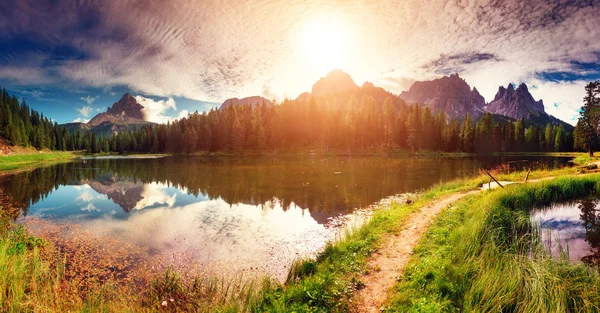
{"x": 236, "y": 213}
{"x": 571, "y": 228}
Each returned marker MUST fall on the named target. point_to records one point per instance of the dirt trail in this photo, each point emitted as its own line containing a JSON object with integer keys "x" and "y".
{"x": 387, "y": 264}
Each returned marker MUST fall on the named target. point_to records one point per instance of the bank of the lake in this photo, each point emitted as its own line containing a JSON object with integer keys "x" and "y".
{"x": 33, "y": 281}
{"x": 21, "y": 161}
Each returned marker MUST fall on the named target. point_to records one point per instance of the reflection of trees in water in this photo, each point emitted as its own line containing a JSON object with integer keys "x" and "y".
{"x": 591, "y": 220}
{"x": 327, "y": 185}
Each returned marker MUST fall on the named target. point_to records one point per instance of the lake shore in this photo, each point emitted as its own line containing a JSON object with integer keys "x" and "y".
{"x": 327, "y": 283}
{"x": 25, "y": 161}
{"x": 28, "y": 160}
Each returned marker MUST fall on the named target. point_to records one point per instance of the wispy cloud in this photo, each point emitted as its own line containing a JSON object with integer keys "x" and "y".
{"x": 85, "y": 110}
{"x": 89, "y": 99}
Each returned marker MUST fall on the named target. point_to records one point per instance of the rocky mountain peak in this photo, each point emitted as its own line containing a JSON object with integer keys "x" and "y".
{"x": 127, "y": 106}
{"x": 254, "y": 100}
{"x": 334, "y": 82}
{"x": 450, "y": 94}
{"x": 126, "y": 110}
{"x": 368, "y": 85}
{"x": 517, "y": 103}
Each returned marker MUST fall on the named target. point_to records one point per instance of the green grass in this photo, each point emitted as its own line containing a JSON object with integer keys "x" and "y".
{"x": 18, "y": 161}
{"x": 483, "y": 255}
{"x": 327, "y": 284}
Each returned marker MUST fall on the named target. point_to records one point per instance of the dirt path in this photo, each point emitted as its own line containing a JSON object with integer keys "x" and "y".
{"x": 387, "y": 264}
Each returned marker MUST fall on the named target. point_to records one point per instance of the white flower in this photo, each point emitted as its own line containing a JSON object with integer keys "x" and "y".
{"x": 164, "y": 303}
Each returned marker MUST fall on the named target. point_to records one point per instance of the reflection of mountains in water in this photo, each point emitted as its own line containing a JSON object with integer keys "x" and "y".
{"x": 124, "y": 192}
{"x": 325, "y": 186}
{"x": 129, "y": 194}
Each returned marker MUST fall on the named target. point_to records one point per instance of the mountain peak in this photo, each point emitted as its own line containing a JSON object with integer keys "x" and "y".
{"x": 522, "y": 88}
{"x": 516, "y": 104}
{"x": 126, "y": 110}
{"x": 450, "y": 94}
{"x": 334, "y": 82}
{"x": 126, "y": 97}
{"x": 254, "y": 100}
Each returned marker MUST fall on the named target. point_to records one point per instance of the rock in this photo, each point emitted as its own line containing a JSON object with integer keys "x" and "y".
{"x": 335, "y": 81}
{"x": 126, "y": 110}
{"x": 516, "y": 104}
{"x": 255, "y": 100}
{"x": 450, "y": 94}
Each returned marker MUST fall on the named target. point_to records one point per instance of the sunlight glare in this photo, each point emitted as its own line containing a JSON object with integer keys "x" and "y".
{"x": 325, "y": 42}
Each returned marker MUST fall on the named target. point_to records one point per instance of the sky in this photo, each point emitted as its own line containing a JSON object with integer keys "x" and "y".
{"x": 73, "y": 59}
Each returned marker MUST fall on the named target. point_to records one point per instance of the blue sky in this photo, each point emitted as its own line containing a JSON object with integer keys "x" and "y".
{"x": 71, "y": 60}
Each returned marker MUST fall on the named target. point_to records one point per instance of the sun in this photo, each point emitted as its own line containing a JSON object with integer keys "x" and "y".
{"x": 325, "y": 42}
{"x": 321, "y": 43}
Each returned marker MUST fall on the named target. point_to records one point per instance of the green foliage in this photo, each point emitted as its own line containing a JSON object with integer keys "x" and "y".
{"x": 20, "y": 240}
{"x": 588, "y": 125}
{"x": 25, "y": 127}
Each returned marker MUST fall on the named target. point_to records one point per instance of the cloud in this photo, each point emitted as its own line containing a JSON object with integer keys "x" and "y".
{"x": 81, "y": 120}
{"x": 162, "y": 50}
{"x": 155, "y": 194}
{"x": 183, "y": 113}
{"x": 565, "y": 106}
{"x": 90, "y": 208}
{"x": 85, "y": 110}
{"x": 154, "y": 111}
{"x": 89, "y": 99}
{"x": 24, "y": 75}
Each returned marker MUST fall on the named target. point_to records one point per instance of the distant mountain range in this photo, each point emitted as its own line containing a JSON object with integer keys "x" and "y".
{"x": 450, "y": 94}
{"x": 454, "y": 96}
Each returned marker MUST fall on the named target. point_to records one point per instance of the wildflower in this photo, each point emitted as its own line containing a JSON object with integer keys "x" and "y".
{"x": 164, "y": 303}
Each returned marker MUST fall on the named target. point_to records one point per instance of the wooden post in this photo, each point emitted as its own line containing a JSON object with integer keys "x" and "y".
{"x": 492, "y": 177}
{"x": 527, "y": 176}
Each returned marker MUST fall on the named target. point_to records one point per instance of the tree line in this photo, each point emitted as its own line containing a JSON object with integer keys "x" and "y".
{"x": 343, "y": 124}
{"x": 25, "y": 127}
{"x": 325, "y": 124}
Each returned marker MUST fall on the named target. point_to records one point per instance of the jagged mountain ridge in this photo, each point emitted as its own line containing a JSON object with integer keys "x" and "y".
{"x": 450, "y": 94}
{"x": 454, "y": 96}
{"x": 515, "y": 103}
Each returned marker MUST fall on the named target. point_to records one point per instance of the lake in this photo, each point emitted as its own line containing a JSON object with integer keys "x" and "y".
{"x": 223, "y": 214}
